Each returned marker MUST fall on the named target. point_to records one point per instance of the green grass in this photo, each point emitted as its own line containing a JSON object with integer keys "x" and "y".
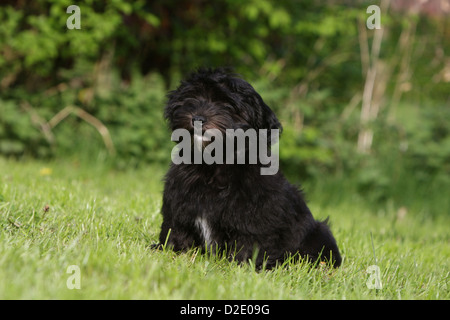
{"x": 103, "y": 221}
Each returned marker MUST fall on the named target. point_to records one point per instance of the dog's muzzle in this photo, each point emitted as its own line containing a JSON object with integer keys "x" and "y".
{"x": 199, "y": 139}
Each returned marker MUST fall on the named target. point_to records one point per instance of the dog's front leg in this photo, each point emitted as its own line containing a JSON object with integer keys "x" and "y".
{"x": 177, "y": 238}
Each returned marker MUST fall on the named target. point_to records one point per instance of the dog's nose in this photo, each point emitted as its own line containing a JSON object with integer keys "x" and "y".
{"x": 202, "y": 119}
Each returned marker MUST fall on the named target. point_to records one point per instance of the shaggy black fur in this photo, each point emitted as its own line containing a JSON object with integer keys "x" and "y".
{"x": 233, "y": 206}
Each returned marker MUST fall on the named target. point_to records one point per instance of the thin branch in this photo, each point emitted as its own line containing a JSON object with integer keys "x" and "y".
{"x": 38, "y": 121}
{"x": 365, "y": 136}
{"x": 97, "y": 124}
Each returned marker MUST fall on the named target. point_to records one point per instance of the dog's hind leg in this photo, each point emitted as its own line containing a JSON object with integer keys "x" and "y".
{"x": 320, "y": 244}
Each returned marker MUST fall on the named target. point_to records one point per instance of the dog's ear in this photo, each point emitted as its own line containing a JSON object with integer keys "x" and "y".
{"x": 170, "y": 107}
{"x": 269, "y": 119}
{"x": 259, "y": 112}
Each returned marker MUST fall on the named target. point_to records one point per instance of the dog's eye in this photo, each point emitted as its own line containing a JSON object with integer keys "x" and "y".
{"x": 230, "y": 108}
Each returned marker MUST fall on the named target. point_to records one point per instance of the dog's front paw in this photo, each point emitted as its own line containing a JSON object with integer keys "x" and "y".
{"x": 156, "y": 246}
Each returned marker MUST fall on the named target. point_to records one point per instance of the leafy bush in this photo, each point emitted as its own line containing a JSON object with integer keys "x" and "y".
{"x": 132, "y": 116}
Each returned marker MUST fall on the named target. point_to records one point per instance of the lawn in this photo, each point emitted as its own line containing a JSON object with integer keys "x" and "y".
{"x": 75, "y": 231}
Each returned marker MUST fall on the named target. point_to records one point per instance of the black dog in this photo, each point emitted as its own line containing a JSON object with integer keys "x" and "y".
{"x": 234, "y": 207}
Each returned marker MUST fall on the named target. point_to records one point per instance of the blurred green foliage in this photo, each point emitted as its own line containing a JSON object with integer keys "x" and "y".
{"x": 306, "y": 58}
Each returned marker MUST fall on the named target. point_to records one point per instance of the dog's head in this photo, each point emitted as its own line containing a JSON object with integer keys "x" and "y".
{"x": 219, "y": 100}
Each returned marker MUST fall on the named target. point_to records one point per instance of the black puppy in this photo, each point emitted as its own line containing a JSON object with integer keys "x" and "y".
{"x": 234, "y": 207}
